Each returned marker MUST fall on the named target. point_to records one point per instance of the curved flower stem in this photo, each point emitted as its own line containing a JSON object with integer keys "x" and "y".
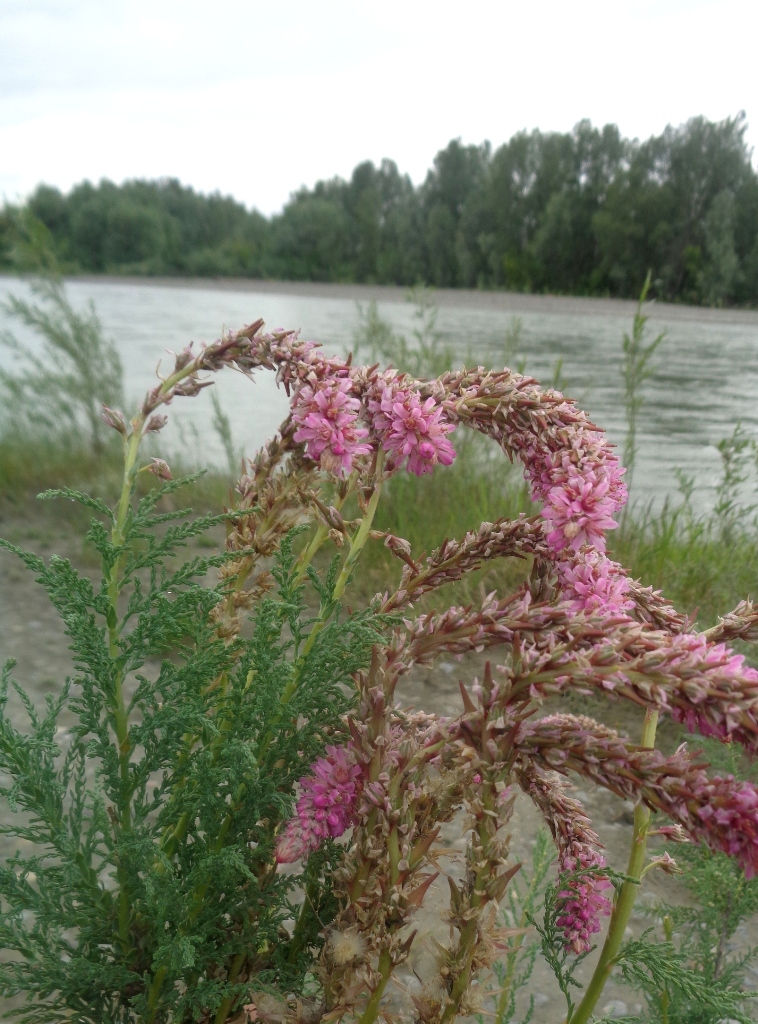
{"x": 626, "y": 896}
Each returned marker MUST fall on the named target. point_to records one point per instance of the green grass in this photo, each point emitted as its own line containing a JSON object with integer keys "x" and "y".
{"x": 480, "y": 486}
{"x": 701, "y": 567}
{"x": 29, "y": 465}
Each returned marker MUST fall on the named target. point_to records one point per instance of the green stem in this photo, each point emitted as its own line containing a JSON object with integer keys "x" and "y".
{"x": 357, "y": 543}
{"x": 359, "y": 540}
{"x": 118, "y": 707}
{"x": 155, "y": 992}
{"x": 298, "y": 934}
{"x": 369, "y": 1015}
{"x": 626, "y": 896}
{"x": 308, "y": 553}
{"x": 668, "y": 931}
{"x": 118, "y": 703}
{"x": 223, "y": 1009}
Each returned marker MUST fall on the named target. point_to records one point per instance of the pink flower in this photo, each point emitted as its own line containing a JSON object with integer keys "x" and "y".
{"x": 726, "y": 818}
{"x": 595, "y": 584}
{"x": 720, "y": 690}
{"x": 581, "y": 904}
{"x": 326, "y": 806}
{"x": 327, "y": 415}
{"x": 580, "y": 509}
{"x": 580, "y": 486}
{"x": 411, "y": 430}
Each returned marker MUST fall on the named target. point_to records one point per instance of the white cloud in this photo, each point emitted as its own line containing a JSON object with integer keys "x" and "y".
{"x": 258, "y": 98}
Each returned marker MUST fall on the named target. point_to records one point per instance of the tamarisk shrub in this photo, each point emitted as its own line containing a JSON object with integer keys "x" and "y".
{"x": 242, "y": 822}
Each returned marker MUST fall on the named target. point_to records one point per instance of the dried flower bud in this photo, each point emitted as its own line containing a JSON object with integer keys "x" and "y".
{"x": 251, "y": 330}
{"x": 266, "y": 1007}
{"x": 114, "y": 418}
{"x": 673, "y": 833}
{"x": 155, "y": 423}
{"x": 666, "y": 863}
{"x": 160, "y": 469}
{"x": 191, "y": 387}
{"x": 183, "y": 358}
{"x": 152, "y": 398}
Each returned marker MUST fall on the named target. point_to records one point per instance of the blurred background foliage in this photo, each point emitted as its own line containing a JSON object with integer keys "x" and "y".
{"x": 586, "y": 212}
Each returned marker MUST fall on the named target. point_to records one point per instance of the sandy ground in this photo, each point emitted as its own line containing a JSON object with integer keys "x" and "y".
{"x": 509, "y": 302}
{"x": 31, "y": 633}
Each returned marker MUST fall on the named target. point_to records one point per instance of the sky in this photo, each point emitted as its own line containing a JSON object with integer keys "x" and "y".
{"x": 256, "y": 99}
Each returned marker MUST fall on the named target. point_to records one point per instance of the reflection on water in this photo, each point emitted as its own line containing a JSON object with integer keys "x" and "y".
{"x": 706, "y": 378}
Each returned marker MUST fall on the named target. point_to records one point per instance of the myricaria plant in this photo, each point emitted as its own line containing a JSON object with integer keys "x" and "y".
{"x": 244, "y": 822}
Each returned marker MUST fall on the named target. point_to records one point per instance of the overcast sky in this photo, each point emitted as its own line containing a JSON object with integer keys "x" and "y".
{"x": 257, "y": 98}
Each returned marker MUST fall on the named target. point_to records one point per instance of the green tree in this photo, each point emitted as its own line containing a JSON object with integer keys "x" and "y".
{"x": 720, "y": 273}
{"x": 311, "y": 240}
{"x": 580, "y": 212}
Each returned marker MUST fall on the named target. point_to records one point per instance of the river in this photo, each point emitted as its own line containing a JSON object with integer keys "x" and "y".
{"x": 705, "y": 379}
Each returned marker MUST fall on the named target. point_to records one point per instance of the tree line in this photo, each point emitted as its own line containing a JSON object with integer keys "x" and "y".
{"x": 585, "y": 212}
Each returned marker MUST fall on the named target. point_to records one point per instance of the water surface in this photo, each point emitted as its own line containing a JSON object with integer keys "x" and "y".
{"x": 706, "y": 377}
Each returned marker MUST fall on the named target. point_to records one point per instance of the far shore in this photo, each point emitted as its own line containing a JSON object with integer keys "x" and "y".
{"x": 507, "y": 302}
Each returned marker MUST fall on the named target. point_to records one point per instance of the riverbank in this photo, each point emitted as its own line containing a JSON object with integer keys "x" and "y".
{"x": 515, "y": 303}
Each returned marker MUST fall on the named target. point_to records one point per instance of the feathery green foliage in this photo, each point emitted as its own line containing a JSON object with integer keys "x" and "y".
{"x": 149, "y": 889}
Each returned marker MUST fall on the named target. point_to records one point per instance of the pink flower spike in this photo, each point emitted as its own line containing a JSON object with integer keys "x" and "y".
{"x": 581, "y": 903}
{"x": 594, "y": 584}
{"x": 326, "y": 806}
{"x": 326, "y": 415}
